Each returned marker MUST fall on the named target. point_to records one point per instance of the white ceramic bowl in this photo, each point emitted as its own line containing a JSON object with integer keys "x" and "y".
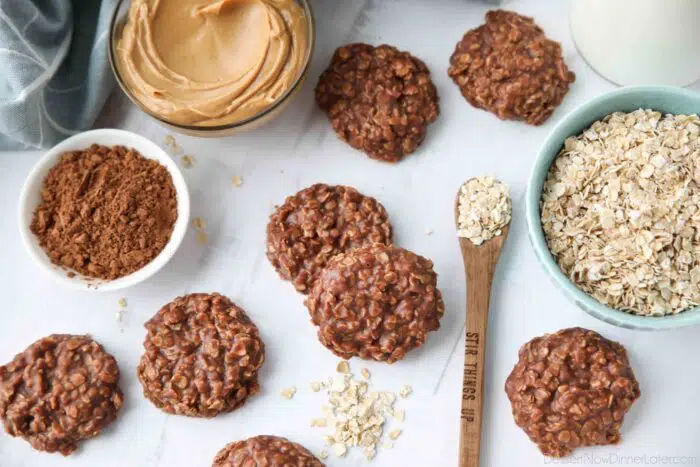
{"x": 30, "y": 197}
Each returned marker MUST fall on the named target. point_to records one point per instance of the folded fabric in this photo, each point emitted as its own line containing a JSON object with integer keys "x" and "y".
{"x": 56, "y": 76}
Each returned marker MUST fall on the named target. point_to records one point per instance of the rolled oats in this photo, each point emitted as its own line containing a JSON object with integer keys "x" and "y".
{"x": 484, "y": 209}
{"x": 343, "y": 367}
{"x": 319, "y": 423}
{"x": 406, "y": 391}
{"x": 237, "y": 181}
{"x": 358, "y": 415}
{"x": 288, "y": 393}
{"x": 199, "y": 223}
{"x": 370, "y": 453}
{"x": 202, "y": 237}
{"x": 188, "y": 161}
{"x": 339, "y": 449}
{"x": 619, "y": 211}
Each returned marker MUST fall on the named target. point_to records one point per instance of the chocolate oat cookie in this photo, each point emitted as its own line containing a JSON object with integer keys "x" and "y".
{"x": 316, "y": 224}
{"x": 509, "y": 67}
{"x": 376, "y": 302}
{"x": 61, "y": 390}
{"x": 571, "y": 389}
{"x": 379, "y": 100}
{"x": 202, "y": 356}
{"x": 268, "y": 451}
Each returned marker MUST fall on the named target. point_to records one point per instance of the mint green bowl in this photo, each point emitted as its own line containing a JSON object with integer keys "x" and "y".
{"x": 665, "y": 99}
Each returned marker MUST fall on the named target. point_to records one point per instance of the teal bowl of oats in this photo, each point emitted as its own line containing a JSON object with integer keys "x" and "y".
{"x": 613, "y": 207}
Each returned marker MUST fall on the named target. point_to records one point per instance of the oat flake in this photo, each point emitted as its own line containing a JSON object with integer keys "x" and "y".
{"x": 188, "y": 161}
{"x": 288, "y": 393}
{"x": 484, "y": 209}
{"x": 202, "y": 237}
{"x": 619, "y": 211}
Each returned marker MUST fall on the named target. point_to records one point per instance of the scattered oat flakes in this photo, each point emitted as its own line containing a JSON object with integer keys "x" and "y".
{"x": 619, "y": 211}
{"x": 122, "y": 302}
{"x": 323, "y": 455}
{"x": 343, "y": 367}
{"x": 188, "y": 161}
{"x": 365, "y": 373}
{"x": 394, "y": 434}
{"x": 388, "y": 445}
{"x": 400, "y": 415}
{"x": 237, "y": 180}
{"x": 118, "y": 315}
{"x": 288, "y": 393}
{"x": 357, "y": 413}
{"x": 199, "y": 223}
{"x": 319, "y": 423}
{"x": 169, "y": 140}
{"x": 484, "y": 209}
{"x": 202, "y": 237}
{"x": 405, "y": 391}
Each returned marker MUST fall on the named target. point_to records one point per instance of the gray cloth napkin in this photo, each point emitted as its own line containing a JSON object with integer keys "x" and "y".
{"x": 55, "y": 73}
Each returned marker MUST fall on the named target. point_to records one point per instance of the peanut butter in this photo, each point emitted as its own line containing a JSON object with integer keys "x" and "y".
{"x": 208, "y": 63}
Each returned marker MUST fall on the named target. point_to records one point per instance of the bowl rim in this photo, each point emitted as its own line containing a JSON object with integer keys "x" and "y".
{"x": 193, "y": 129}
{"x": 536, "y": 235}
{"x": 85, "y": 139}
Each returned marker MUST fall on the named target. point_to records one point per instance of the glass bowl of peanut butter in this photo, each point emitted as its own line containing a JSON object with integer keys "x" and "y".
{"x": 211, "y": 67}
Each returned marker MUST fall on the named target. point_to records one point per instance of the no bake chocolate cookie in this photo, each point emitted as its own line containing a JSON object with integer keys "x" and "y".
{"x": 571, "y": 389}
{"x": 376, "y": 302}
{"x": 61, "y": 390}
{"x": 380, "y": 100}
{"x": 318, "y": 223}
{"x": 510, "y": 68}
{"x": 202, "y": 356}
{"x": 272, "y": 451}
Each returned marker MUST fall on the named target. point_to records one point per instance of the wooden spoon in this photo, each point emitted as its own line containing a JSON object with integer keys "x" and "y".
{"x": 479, "y": 267}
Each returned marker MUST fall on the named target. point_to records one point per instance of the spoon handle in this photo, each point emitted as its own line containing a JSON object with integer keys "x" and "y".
{"x": 479, "y": 271}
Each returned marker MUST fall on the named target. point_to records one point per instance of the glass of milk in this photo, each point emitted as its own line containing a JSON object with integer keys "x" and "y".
{"x": 639, "y": 41}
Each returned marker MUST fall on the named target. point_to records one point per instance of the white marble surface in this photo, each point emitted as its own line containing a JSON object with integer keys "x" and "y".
{"x": 295, "y": 151}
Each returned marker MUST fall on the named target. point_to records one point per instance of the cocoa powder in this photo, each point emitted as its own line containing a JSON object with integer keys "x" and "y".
{"x": 105, "y": 212}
